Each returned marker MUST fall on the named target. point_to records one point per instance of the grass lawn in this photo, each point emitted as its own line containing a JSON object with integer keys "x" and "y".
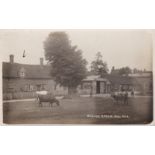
{"x": 95, "y": 110}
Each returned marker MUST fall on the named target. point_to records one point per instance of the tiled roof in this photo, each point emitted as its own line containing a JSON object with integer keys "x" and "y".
{"x": 120, "y": 79}
{"x": 117, "y": 79}
{"x": 31, "y": 71}
{"x": 113, "y": 79}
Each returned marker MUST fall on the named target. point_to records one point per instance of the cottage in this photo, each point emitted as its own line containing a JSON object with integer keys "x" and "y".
{"x": 25, "y": 79}
{"x": 95, "y": 85}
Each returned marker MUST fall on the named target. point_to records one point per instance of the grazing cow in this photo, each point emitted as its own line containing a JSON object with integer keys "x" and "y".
{"x": 47, "y": 98}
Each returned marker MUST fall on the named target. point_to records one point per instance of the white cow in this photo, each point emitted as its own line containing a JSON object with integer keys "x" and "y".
{"x": 43, "y": 92}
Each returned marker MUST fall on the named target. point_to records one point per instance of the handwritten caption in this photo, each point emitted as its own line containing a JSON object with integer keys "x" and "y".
{"x": 108, "y": 116}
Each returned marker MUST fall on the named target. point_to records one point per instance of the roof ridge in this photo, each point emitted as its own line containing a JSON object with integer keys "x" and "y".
{"x": 46, "y": 65}
{"x": 32, "y": 71}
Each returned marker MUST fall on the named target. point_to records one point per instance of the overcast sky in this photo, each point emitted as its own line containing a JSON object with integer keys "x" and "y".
{"x": 119, "y": 48}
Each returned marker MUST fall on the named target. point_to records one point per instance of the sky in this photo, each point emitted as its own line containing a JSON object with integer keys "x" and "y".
{"x": 119, "y": 48}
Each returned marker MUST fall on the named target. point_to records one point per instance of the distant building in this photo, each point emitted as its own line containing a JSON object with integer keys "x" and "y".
{"x": 142, "y": 85}
{"x": 139, "y": 81}
{"x": 95, "y": 84}
{"x": 109, "y": 83}
{"x": 141, "y": 74}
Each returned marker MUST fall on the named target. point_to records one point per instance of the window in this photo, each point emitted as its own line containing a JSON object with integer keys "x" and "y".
{"x": 10, "y": 90}
{"x": 86, "y": 85}
{"x": 28, "y": 87}
{"x": 40, "y": 87}
{"x": 31, "y": 87}
{"x": 21, "y": 73}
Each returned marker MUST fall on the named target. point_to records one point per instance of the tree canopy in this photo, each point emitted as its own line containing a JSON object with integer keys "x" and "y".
{"x": 68, "y": 67}
{"x": 99, "y": 67}
{"x": 125, "y": 71}
{"x": 121, "y": 71}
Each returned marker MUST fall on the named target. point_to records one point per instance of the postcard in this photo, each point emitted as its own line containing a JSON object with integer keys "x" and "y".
{"x": 77, "y": 76}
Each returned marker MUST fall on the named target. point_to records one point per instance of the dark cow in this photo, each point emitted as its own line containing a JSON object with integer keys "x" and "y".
{"x": 47, "y": 98}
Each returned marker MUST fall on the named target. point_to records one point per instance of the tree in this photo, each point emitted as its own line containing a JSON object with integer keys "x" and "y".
{"x": 112, "y": 70}
{"x": 135, "y": 70}
{"x": 125, "y": 71}
{"x": 68, "y": 68}
{"x": 98, "y": 67}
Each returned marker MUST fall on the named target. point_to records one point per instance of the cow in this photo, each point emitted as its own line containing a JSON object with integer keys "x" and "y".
{"x": 49, "y": 97}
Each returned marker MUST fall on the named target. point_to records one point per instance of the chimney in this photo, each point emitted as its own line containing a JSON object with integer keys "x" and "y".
{"x": 11, "y": 58}
{"x": 41, "y": 61}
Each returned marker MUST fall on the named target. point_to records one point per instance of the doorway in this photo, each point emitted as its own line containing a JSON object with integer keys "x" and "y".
{"x": 97, "y": 87}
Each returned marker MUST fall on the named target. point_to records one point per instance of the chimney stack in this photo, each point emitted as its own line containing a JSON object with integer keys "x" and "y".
{"x": 11, "y": 58}
{"x": 41, "y": 61}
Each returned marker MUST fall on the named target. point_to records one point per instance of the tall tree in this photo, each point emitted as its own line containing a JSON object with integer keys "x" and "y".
{"x": 125, "y": 71}
{"x": 112, "y": 70}
{"x": 99, "y": 67}
{"x": 68, "y": 68}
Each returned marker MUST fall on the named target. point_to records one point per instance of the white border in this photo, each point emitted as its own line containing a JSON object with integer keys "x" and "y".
{"x": 84, "y": 14}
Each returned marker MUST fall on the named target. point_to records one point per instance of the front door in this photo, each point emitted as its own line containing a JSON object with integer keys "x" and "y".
{"x": 97, "y": 87}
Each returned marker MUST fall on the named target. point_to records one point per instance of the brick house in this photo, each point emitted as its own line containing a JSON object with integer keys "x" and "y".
{"x": 140, "y": 84}
{"x": 109, "y": 82}
{"x": 27, "y": 79}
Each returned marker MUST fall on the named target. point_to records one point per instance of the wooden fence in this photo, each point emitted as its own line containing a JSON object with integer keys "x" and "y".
{"x": 19, "y": 95}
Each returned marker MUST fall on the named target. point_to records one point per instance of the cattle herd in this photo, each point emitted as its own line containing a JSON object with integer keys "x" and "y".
{"x": 120, "y": 97}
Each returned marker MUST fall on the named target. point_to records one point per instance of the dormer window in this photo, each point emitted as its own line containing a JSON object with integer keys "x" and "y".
{"x": 22, "y": 73}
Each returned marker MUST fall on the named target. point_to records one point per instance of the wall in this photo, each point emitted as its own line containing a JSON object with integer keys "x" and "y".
{"x": 18, "y": 85}
{"x": 85, "y": 89}
{"x": 146, "y": 85}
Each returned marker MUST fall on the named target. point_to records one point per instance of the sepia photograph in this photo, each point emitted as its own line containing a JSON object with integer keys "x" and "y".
{"x": 77, "y": 76}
